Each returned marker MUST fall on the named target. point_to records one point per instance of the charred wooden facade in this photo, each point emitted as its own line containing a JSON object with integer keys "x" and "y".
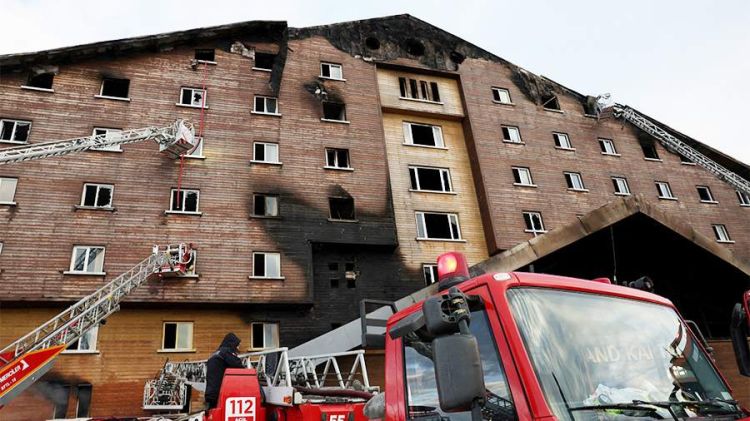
{"x": 345, "y": 224}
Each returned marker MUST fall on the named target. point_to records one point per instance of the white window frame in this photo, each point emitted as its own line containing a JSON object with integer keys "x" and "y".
{"x": 107, "y": 132}
{"x": 265, "y": 265}
{"x": 197, "y": 151}
{"x": 432, "y": 267}
{"x": 521, "y": 172}
{"x": 265, "y": 152}
{"x": 343, "y": 120}
{"x": 14, "y": 182}
{"x": 562, "y": 141}
{"x": 664, "y": 190}
{"x": 711, "y": 198}
{"x": 743, "y": 197}
{"x": 419, "y": 95}
{"x": 511, "y": 131}
{"x": 452, "y": 219}
{"x": 117, "y": 98}
{"x": 266, "y": 197}
{"x": 621, "y": 186}
{"x": 265, "y": 105}
{"x": 534, "y": 230}
{"x": 13, "y": 132}
{"x": 444, "y": 173}
{"x": 86, "y": 260}
{"x": 574, "y": 181}
{"x": 500, "y": 92}
{"x": 332, "y": 66}
{"x": 721, "y": 233}
{"x": 437, "y": 135}
{"x": 274, "y": 326}
{"x": 607, "y": 147}
{"x": 98, "y": 186}
{"x": 1, "y": 247}
{"x": 204, "y": 98}
{"x": 177, "y": 337}
{"x": 93, "y": 335}
{"x": 336, "y": 159}
{"x": 184, "y": 193}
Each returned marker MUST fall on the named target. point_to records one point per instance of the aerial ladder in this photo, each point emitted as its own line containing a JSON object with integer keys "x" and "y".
{"x": 675, "y": 145}
{"x": 31, "y": 356}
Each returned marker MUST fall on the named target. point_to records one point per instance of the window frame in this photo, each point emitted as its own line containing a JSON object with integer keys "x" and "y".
{"x": 13, "y": 132}
{"x": 265, "y": 105}
{"x": 73, "y": 271}
{"x": 520, "y": 170}
{"x": 276, "y": 335}
{"x": 721, "y": 233}
{"x": 265, "y": 197}
{"x": 354, "y": 209}
{"x": 500, "y": 90}
{"x": 264, "y": 69}
{"x": 662, "y": 187}
{"x": 432, "y": 267}
{"x": 451, "y": 217}
{"x": 425, "y": 90}
{"x": 532, "y": 230}
{"x": 330, "y": 66}
{"x": 184, "y": 193}
{"x": 204, "y": 98}
{"x": 93, "y": 350}
{"x": 28, "y": 85}
{"x": 556, "y": 136}
{"x": 117, "y": 98}
{"x": 617, "y": 185}
{"x": 652, "y": 147}
{"x": 265, "y": 265}
{"x": 437, "y": 134}
{"x": 605, "y": 141}
{"x": 191, "y": 343}
{"x": 570, "y": 176}
{"x": 444, "y": 174}
{"x": 98, "y": 186}
{"x": 336, "y": 159}
{"x": 107, "y": 131}
{"x": 255, "y": 159}
{"x": 743, "y": 198}
{"x": 12, "y": 201}
{"x": 343, "y": 120}
{"x": 197, "y": 151}
{"x": 711, "y": 199}
{"x": 511, "y": 129}
{"x": 196, "y": 52}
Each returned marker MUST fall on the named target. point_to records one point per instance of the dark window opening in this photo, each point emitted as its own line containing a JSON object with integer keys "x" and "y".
{"x": 205, "y": 54}
{"x": 333, "y": 267}
{"x": 433, "y": 179}
{"x": 334, "y": 282}
{"x": 84, "y": 401}
{"x": 117, "y": 88}
{"x": 41, "y": 80}
{"x": 334, "y": 111}
{"x": 259, "y": 264}
{"x": 260, "y": 152}
{"x": 422, "y": 135}
{"x": 264, "y": 60}
{"x": 413, "y": 92}
{"x": 265, "y": 205}
{"x": 435, "y": 92}
{"x": 342, "y": 208}
{"x": 170, "y": 336}
{"x": 402, "y": 86}
{"x": 257, "y": 336}
{"x": 372, "y": 43}
{"x": 437, "y": 225}
{"x": 190, "y": 202}
{"x": 705, "y": 194}
{"x": 337, "y": 158}
{"x": 414, "y": 47}
{"x": 649, "y": 150}
{"x": 686, "y": 160}
{"x": 550, "y": 102}
{"x": 349, "y": 267}
{"x": 351, "y": 283}
{"x": 62, "y": 394}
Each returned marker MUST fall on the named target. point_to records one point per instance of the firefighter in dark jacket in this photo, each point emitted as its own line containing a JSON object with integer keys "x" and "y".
{"x": 224, "y": 357}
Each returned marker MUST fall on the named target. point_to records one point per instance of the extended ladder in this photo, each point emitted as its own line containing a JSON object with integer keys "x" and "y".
{"x": 679, "y": 147}
{"x": 173, "y": 140}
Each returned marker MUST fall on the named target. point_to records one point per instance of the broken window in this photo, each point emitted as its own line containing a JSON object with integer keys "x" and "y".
{"x": 534, "y": 222}
{"x": 337, "y": 158}
{"x": 265, "y": 205}
{"x": 342, "y": 208}
{"x": 685, "y": 160}
{"x": 665, "y": 192}
{"x": 649, "y": 151}
{"x": 107, "y": 133}
{"x": 264, "y": 335}
{"x": 430, "y": 179}
{"x": 205, "y": 55}
{"x": 97, "y": 195}
{"x": 331, "y": 71}
{"x": 501, "y": 95}
{"x": 438, "y": 226}
{"x": 266, "y": 152}
{"x": 115, "y": 88}
{"x": 334, "y": 111}
{"x": 721, "y": 233}
{"x": 87, "y": 259}
{"x": 197, "y": 151}
{"x": 550, "y": 102}
{"x": 429, "y": 270}
{"x": 8, "y": 190}
{"x": 419, "y": 89}
{"x": 193, "y": 97}
{"x": 83, "y": 407}
{"x": 264, "y": 61}
{"x": 14, "y": 131}
{"x": 265, "y": 105}
{"x": 86, "y": 343}
{"x": 607, "y": 146}
{"x": 704, "y": 192}
{"x": 266, "y": 265}
{"x": 62, "y": 394}
{"x": 562, "y": 141}
{"x": 743, "y": 197}
{"x": 522, "y": 176}
{"x": 177, "y": 336}
{"x": 184, "y": 201}
{"x": 423, "y": 135}
{"x": 621, "y": 186}
{"x": 40, "y": 81}
{"x": 511, "y": 134}
{"x": 574, "y": 181}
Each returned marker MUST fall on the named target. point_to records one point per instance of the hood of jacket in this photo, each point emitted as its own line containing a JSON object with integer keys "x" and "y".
{"x": 230, "y": 341}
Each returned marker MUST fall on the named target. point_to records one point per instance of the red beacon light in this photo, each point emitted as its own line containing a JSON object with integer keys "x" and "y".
{"x": 452, "y": 270}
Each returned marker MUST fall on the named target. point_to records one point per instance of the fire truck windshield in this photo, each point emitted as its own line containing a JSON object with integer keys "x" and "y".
{"x": 592, "y": 351}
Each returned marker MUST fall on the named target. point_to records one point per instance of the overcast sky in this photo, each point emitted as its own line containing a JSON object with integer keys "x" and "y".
{"x": 684, "y": 62}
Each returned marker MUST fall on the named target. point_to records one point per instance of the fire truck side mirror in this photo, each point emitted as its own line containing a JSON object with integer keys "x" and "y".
{"x": 458, "y": 372}
{"x": 739, "y": 330}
